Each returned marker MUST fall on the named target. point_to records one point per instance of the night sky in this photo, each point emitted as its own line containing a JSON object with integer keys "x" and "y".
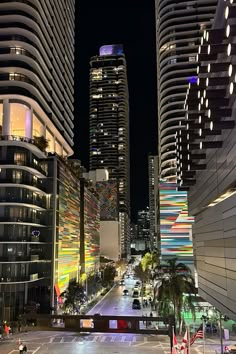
{"x": 131, "y": 23}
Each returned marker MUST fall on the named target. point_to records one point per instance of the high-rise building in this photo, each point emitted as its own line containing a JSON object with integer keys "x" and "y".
{"x": 36, "y": 118}
{"x": 206, "y": 160}
{"x": 109, "y": 126}
{"x": 143, "y": 226}
{"x": 179, "y": 26}
{"x": 153, "y": 199}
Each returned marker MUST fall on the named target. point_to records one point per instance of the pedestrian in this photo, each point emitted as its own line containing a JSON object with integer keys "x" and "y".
{"x": 24, "y": 349}
{"x": 151, "y": 314}
{"x": 6, "y": 329}
{"x": 1, "y": 331}
{"x": 21, "y": 348}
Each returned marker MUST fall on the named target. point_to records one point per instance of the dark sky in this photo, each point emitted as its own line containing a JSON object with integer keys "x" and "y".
{"x": 131, "y": 23}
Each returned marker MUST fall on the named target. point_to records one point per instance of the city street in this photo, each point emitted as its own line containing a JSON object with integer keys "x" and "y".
{"x": 114, "y": 303}
{"x": 74, "y": 343}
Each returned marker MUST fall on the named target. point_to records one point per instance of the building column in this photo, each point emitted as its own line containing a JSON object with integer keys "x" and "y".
{"x": 29, "y": 123}
{"x": 6, "y": 125}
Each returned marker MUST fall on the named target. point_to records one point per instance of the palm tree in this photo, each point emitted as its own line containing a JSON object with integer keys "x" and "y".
{"x": 150, "y": 264}
{"x": 177, "y": 289}
{"x": 150, "y": 261}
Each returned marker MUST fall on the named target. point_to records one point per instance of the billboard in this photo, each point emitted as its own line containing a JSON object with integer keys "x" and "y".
{"x": 175, "y": 223}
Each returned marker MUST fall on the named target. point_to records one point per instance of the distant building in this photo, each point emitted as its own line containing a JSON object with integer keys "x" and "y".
{"x": 153, "y": 180}
{"x": 109, "y": 127}
{"x": 133, "y": 232}
{"x": 107, "y": 191}
{"x": 143, "y": 227}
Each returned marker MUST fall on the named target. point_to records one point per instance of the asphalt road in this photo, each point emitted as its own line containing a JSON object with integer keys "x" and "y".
{"x": 74, "y": 343}
{"x": 114, "y": 303}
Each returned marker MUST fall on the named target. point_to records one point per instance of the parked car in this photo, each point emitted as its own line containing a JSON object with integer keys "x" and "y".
{"x": 135, "y": 293}
{"x": 138, "y": 283}
{"x": 122, "y": 282}
{"x": 125, "y": 292}
{"x": 136, "y": 305}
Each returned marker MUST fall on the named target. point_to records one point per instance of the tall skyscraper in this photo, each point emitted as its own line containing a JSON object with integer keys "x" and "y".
{"x": 36, "y": 118}
{"x": 109, "y": 126}
{"x": 179, "y": 26}
{"x": 153, "y": 176}
{"x": 143, "y": 226}
{"x": 207, "y": 163}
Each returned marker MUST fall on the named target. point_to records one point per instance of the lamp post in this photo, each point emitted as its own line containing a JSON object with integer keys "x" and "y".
{"x": 221, "y": 334}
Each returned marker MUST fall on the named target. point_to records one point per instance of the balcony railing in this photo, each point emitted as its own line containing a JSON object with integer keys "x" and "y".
{"x": 32, "y": 258}
{"x": 39, "y": 203}
{"x": 23, "y": 163}
{"x": 22, "y": 220}
{"x": 25, "y": 181}
{"x": 23, "y": 278}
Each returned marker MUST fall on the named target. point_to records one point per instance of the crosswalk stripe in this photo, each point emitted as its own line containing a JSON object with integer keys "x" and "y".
{"x": 103, "y": 339}
{"x": 94, "y": 339}
{"x": 134, "y": 339}
{"x": 62, "y": 340}
{"x": 113, "y": 339}
{"x": 123, "y": 339}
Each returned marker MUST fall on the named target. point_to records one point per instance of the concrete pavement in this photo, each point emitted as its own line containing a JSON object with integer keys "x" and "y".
{"x": 114, "y": 303}
{"x": 74, "y": 343}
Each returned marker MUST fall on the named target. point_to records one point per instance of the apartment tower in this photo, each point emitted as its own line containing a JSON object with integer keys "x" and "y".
{"x": 36, "y": 119}
{"x": 179, "y": 26}
{"x": 153, "y": 200}
{"x": 109, "y": 126}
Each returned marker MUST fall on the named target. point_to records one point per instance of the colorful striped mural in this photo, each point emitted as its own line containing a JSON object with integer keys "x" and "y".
{"x": 175, "y": 223}
{"x": 69, "y": 228}
{"x": 91, "y": 230}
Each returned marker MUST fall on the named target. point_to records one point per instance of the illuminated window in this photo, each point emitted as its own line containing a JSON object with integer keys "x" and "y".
{"x": 18, "y": 114}
{"x": 38, "y": 127}
{"x": 17, "y": 176}
{"x": 19, "y": 158}
{"x": 96, "y": 74}
{"x": 50, "y": 140}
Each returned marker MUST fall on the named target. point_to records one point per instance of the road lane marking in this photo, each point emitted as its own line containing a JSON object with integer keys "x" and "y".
{"x": 91, "y": 311}
{"x": 139, "y": 344}
{"x": 34, "y": 352}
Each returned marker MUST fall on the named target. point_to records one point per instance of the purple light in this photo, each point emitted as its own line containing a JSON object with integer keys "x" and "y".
{"x": 112, "y": 49}
{"x": 193, "y": 80}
